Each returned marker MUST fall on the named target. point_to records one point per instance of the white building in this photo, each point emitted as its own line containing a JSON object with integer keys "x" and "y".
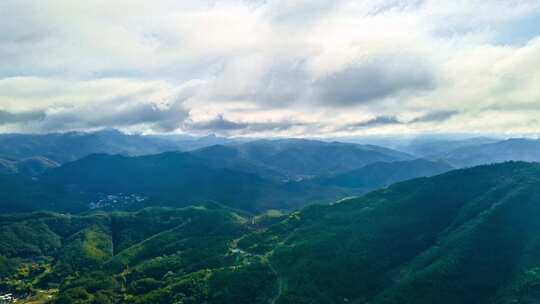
{"x": 7, "y": 298}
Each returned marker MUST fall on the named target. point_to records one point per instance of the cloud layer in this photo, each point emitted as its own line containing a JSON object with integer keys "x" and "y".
{"x": 270, "y": 67}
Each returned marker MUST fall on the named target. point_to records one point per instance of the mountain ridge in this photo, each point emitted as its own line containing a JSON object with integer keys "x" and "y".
{"x": 465, "y": 236}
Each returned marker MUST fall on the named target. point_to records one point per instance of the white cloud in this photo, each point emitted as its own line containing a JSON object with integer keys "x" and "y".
{"x": 295, "y": 67}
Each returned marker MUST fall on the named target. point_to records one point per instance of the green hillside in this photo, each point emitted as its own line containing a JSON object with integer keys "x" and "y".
{"x": 295, "y": 159}
{"x": 180, "y": 179}
{"x": 466, "y": 236}
{"x": 359, "y": 181}
{"x": 168, "y": 179}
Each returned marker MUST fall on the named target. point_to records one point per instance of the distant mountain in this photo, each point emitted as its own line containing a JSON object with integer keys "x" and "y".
{"x": 278, "y": 159}
{"x": 28, "y": 166}
{"x": 430, "y": 147}
{"x": 252, "y": 176}
{"x": 64, "y": 147}
{"x": 190, "y": 143}
{"x": 218, "y": 173}
{"x": 236, "y": 176}
{"x": 518, "y": 149}
{"x": 466, "y": 236}
{"x": 171, "y": 179}
{"x": 381, "y": 174}
{"x": 356, "y": 182}
{"x": 300, "y": 157}
{"x": 231, "y": 157}
{"x": 296, "y": 159}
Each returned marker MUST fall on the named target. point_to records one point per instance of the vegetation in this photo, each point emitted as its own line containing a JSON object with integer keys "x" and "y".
{"x": 253, "y": 176}
{"x": 467, "y": 236}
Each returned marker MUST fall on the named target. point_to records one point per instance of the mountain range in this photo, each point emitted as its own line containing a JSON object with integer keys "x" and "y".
{"x": 237, "y": 176}
{"x": 70, "y": 146}
{"x": 251, "y": 176}
{"x": 294, "y": 157}
{"x": 521, "y": 149}
{"x": 466, "y": 236}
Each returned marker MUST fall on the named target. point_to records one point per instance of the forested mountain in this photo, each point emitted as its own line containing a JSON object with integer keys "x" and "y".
{"x": 269, "y": 152}
{"x": 167, "y": 179}
{"x": 299, "y": 158}
{"x": 380, "y": 174}
{"x": 70, "y": 146}
{"x": 27, "y": 166}
{"x": 84, "y": 255}
{"x": 180, "y": 179}
{"x": 253, "y": 176}
{"x": 517, "y": 149}
{"x": 22, "y": 193}
{"x": 329, "y": 188}
{"x": 281, "y": 159}
{"x": 466, "y": 236}
{"x": 429, "y": 147}
{"x": 275, "y": 159}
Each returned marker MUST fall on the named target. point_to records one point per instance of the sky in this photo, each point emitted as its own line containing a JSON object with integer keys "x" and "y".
{"x": 299, "y": 68}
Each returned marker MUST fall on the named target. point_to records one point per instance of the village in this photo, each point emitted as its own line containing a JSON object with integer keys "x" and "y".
{"x": 37, "y": 297}
{"x": 7, "y": 298}
{"x": 118, "y": 200}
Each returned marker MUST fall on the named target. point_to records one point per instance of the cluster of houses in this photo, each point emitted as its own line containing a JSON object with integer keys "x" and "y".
{"x": 7, "y": 298}
{"x": 120, "y": 200}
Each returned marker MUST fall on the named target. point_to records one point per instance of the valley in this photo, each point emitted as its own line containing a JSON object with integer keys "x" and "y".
{"x": 384, "y": 247}
{"x": 271, "y": 221}
{"x": 269, "y": 152}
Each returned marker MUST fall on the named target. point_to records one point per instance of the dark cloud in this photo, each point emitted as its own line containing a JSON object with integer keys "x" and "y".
{"x": 383, "y": 120}
{"x": 20, "y": 117}
{"x": 219, "y": 123}
{"x": 120, "y": 112}
{"x": 438, "y": 116}
{"x": 160, "y": 119}
{"x": 281, "y": 83}
{"x": 222, "y": 125}
{"x": 377, "y": 121}
{"x": 374, "y": 80}
{"x": 303, "y": 13}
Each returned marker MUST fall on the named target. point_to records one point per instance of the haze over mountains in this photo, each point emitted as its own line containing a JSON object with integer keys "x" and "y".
{"x": 251, "y": 176}
{"x": 269, "y": 152}
{"x": 506, "y": 150}
{"x": 62, "y": 172}
{"x": 152, "y": 219}
{"x": 70, "y": 146}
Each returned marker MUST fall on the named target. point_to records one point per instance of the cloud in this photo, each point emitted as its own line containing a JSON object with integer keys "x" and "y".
{"x": 272, "y": 82}
{"x": 374, "y": 80}
{"x": 272, "y": 67}
{"x": 149, "y": 115}
{"x": 218, "y": 124}
{"x": 377, "y": 121}
{"x": 224, "y": 126}
{"x": 20, "y": 117}
{"x": 439, "y": 116}
{"x": 105, "y": 103}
